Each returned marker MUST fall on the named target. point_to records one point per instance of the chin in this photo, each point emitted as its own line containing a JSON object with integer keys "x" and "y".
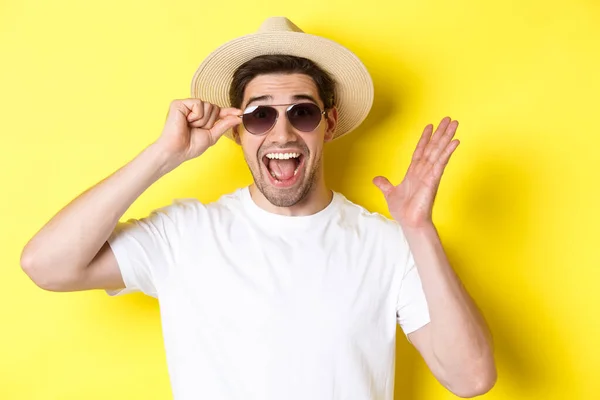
{"x": 289, "y": 192}
{"x": 284, "y": 197}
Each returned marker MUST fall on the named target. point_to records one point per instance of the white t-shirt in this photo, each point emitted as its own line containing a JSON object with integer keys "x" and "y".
{"x": 256, "y": 305}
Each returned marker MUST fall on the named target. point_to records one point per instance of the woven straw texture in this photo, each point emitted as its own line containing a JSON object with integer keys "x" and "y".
{"x": 278, "y": 35}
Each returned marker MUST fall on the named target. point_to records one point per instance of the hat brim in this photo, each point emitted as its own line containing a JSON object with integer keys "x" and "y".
{"x": 354, "y": 85}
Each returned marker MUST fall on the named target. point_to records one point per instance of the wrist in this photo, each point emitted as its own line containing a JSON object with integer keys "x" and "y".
{"x": 419, "y": 230}
{"x": 162, "y": 158}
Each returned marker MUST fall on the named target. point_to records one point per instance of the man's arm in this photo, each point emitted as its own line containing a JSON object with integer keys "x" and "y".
{"x": 71, "y": 252}
{"x": 456, "y": 344}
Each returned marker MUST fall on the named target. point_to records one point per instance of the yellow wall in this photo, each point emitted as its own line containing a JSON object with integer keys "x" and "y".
{"x": 86, "y": 85}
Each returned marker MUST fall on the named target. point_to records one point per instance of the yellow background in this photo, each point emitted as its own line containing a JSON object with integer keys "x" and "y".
{"x": 85, "y": 86}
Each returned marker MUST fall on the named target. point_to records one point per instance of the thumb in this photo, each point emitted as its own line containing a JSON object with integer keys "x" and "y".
{"x": 223, "y": 125}
{"x": 383, "y": 184}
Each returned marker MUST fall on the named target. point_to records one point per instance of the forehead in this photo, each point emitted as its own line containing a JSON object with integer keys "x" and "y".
{"x": 281, "y": 87}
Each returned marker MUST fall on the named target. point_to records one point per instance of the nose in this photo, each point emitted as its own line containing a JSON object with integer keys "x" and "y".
{"x": 283, "y": 131}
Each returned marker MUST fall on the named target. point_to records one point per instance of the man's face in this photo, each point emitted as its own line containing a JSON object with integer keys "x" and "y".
{"x": 286, "y": 163}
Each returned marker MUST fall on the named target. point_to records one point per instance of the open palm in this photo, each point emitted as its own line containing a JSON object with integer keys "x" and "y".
{"x": 411, "y": 202}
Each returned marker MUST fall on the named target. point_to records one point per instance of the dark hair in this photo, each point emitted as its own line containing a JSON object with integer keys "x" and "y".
{"x": 280, "y": 63}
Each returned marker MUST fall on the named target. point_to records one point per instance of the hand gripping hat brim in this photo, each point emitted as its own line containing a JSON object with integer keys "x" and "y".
{"x": 278, "y": 35}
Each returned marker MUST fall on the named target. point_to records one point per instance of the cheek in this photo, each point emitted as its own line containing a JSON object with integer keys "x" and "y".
{"x": 250, "y": 148}
{"x": 315, "y": 145}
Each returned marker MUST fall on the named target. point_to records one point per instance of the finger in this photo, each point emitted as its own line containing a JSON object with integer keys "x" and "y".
{"x": 443, "y": 141}
{"x": 223, "y": 125}
{"x": 422, "y": 143}
{"x": 214, "y": 115}
{"x": 442, "y": 162}
{"x": 193, "y": 110}
{"x": 194, "y": 107}
{"x": 383, "y": 184}
{"x": 441, "y": 128}
{"x": 189, "y": 108}
{"x": 204, "y": 116}
{"x": 199, "y": 122}
{"x": 208, "y": 107}
{"x": 438, "y": 132}
{"x": 226, "y": 112}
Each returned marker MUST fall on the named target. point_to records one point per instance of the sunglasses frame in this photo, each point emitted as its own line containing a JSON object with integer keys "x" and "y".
{"x": 289, "y": 107}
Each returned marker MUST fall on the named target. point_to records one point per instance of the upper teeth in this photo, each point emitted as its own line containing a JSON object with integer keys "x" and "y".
{"x": 283, "y": 156}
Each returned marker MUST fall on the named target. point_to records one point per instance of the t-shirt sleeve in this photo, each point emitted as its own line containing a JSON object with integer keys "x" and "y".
{"x": 145, "y": 248}
{"x": 412, "y": 311}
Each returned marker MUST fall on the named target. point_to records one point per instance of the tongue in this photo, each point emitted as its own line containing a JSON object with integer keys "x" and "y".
{"x": 283, "y": 169}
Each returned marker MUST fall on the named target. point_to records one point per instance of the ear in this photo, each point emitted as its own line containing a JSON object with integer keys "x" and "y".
{"x": 332, "y": 120}
{"x": 236, "y": 135}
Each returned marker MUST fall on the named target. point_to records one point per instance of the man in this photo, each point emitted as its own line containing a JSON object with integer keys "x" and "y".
{"x": 283, "y": 289}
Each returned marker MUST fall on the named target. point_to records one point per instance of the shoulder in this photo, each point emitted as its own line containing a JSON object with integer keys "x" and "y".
{"x": 227, "y": 202}
{"x": 382, "y": 235}
{"x": 359, "y": 216}
{"x": 178, "y": 209}
{"x": 192, "y": 210}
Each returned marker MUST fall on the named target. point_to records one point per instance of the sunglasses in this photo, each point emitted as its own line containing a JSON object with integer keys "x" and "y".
{"x": 304, "y": 117}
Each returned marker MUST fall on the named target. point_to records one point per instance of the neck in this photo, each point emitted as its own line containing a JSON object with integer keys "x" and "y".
{"x": 316, "y": 200}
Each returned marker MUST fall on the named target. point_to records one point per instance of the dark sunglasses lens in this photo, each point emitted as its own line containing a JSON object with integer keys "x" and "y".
{"x": 305, "y": 117}
{"x": 260, "y": 119}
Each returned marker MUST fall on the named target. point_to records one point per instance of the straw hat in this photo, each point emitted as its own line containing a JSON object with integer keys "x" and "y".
{"x": 278, "y": 35}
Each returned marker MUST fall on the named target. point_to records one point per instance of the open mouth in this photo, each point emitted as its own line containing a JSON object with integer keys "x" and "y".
{"x": 283, "y": 167}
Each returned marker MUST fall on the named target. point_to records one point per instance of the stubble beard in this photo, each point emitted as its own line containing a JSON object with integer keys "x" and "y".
{"x": 287, "y": 197}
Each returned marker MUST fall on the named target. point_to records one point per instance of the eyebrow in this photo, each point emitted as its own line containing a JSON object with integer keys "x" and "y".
{"x": 305, "y": 97}
{"x": 258, "y": 98}
{"x": 296, "y": 97}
